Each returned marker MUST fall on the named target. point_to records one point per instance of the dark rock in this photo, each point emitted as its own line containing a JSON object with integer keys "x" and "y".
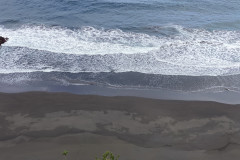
{"x": 3, "y": 40}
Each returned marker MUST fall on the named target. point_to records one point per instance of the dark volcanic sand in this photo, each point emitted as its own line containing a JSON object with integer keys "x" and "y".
{"x": 39, "y": 126}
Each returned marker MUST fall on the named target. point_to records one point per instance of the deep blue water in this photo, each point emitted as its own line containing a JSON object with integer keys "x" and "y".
{"x": 176, "y": 44}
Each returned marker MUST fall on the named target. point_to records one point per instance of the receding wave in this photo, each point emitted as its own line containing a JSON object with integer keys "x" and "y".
{"x": 192, "y": 52}
{"x": 123, "y": 80}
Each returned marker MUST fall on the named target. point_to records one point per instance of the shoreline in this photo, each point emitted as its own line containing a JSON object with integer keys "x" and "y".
{"x": 224, "y": 96}
{"x": 43, "y": 124}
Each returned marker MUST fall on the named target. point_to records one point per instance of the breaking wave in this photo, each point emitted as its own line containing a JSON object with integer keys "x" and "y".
{"x": 194, "y": 52}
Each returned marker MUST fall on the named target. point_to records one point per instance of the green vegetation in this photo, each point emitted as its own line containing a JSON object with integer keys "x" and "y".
{"x": 106, "y": 156}
{"x": 65, "y": 153}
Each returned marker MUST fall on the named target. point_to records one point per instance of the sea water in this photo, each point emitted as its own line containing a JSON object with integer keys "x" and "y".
{"x": 185, "y": 45}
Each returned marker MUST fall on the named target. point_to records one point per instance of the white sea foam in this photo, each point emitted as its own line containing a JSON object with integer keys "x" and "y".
{"x": 191, "y": 52}
{"x": 87, "y": 40}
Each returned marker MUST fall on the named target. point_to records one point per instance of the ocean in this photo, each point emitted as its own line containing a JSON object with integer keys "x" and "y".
{"x": 178, "y": 45}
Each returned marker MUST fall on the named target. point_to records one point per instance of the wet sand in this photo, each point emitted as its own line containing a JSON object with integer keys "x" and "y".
{"x": 40, "y": 125}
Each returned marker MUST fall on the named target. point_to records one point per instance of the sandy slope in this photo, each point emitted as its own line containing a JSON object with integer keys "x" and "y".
{"x": 41, "y": 125}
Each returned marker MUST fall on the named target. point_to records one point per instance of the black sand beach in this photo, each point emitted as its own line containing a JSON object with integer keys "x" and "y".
{"x": 40, "y": 125}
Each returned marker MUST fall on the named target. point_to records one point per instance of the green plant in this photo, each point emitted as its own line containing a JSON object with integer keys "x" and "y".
{"x": 65, "y": 153}
{"x": 108, "y": 156}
